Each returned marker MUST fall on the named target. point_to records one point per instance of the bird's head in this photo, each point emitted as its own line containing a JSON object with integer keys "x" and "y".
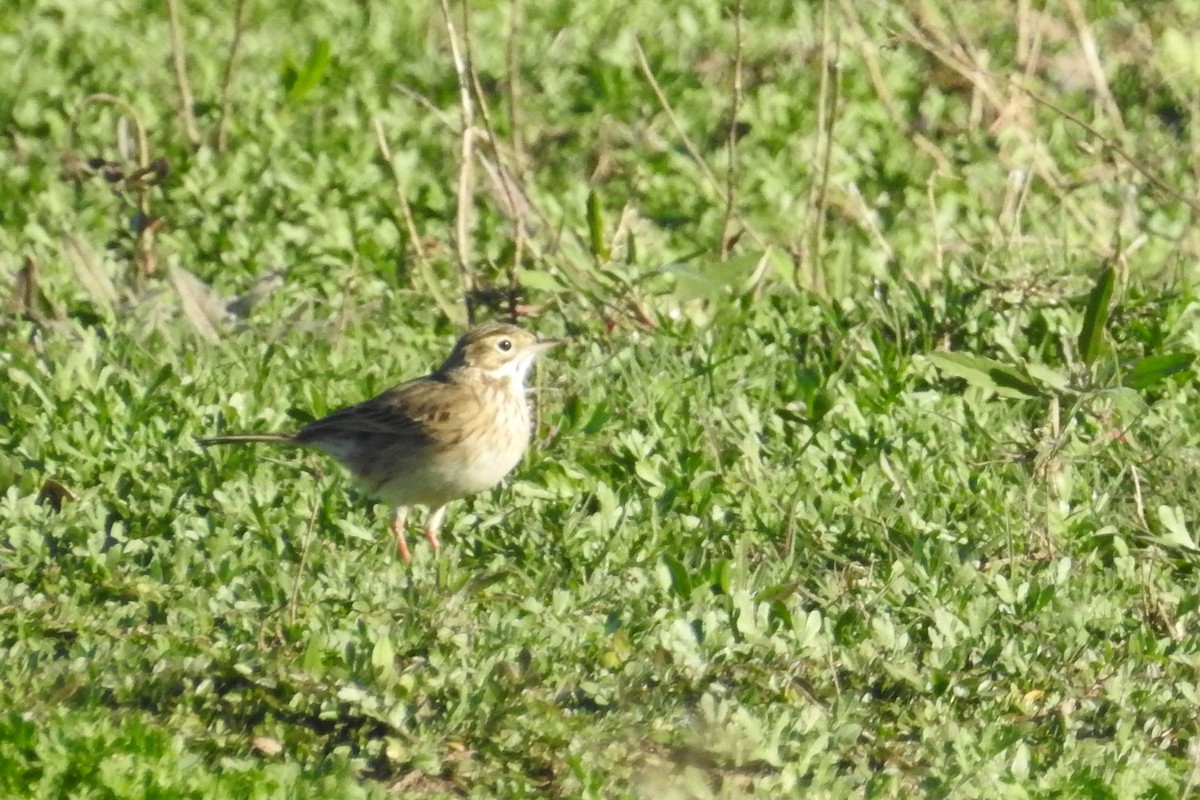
{"x": 498, "y": 350}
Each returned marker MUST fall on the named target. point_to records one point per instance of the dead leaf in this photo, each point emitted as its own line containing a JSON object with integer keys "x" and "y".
{"x": 90, "y": 275}
{"x": 201, "y": 305}
{"x": 267, "y": 746}
{"x": 28, "y": 299}
{"x": 241, "y": 306}
{"x": 53, "y": 493}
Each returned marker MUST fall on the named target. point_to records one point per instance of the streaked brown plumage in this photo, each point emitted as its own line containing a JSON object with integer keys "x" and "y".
{"x": 454, "y": 432}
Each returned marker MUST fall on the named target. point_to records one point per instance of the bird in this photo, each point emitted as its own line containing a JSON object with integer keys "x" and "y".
{"x": 455, "y": 432}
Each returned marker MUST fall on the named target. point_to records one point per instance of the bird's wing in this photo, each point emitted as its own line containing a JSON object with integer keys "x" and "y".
{"x": 419, "y": 413}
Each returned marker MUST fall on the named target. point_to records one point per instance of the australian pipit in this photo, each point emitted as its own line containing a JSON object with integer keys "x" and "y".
{"x": 454, "y": 432}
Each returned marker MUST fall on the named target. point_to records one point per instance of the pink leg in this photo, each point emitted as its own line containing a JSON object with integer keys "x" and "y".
{"x": 398, "y": 522}
{"x": 431, "y": 526}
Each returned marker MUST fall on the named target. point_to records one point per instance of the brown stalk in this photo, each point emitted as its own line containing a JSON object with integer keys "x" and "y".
{"x": 512, "y": 81}
{"x": 239, "y": 27}
{"x": 731, "y": 133}
{"x": 424, "y": 266}
{"x": 714, "y": 183}
{"x": 827, "y": 108}
{"x": 516, "y": 212}
{"x": 466, "y": 176}
{"x": 955, "y": 56}
{"x": 570, "y": 262}
{"x": 868, "y": 51}
{"x": 187, "y": 111}
{"x": 1116, "y": 148}
{"x": 1091, "y": 56}
{"x": 147, "y": 225}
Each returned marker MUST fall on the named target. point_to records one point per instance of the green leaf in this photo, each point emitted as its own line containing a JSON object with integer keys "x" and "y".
{"x": 539, "y": 280}
{"x": 987, "y": 373}
{"x": 1152, "y": 369}
{"x": 1175, "y": 530}
{"x": 711, "y": 278}
{"x": 779, "y": 613}
{"x": 719, "y": 576}
{"x": 1095, "y": 316}
{"x": 1049, "y": 378}
{"x": 776, "y": 593}
{"x": 383, "y": 655}
{"x": 681, "y": 581}
{"x": 596, "y": 227}
{"x": 298, "y": 82}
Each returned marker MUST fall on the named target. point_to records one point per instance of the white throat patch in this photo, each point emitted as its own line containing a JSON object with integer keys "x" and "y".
{"x": 514, "y": 371}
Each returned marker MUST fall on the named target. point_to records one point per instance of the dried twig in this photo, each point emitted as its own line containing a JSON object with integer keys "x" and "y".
{"x": 731, "y": 134}
{"x": 425, "y": 103}
{"x": 239, "y": 23}
{"x": 516, "y": 212}
{"x": 428, "y": 276}
{"x": 827, "y": 108}
{"x": 716, "y": 184}
{"x": 187, "y": 110}
{"x": 466, "y": 179}
{"x": 516, "y": 141}
{"x": 125, "y": 106}
{"x": 512, "y": 81}
{"x": 868, "y": 51}
{"x": 144, "y": 225}
{"x": 1113, "y": 146}
{"x": 294, "y": 600}
{"x": 936, "y": 43}
{"x": 1091, "y": 56}
{"x": 30, "y": 300}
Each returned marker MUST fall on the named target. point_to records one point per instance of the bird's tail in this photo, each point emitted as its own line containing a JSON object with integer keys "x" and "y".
{"x": 247, "y": 438}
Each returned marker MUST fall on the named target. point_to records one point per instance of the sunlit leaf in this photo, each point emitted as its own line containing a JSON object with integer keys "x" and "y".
{"x": 986, "y": 373}
{"x": 595, "y": 221}
{"x": 1175, "y": 531}
{"x": 1150, "y": 370}
{"x": 1095, "y": 316}
{"x": 681, "y": 581}
{"x": 299, "y": 81}
{"x": 1051, "y": 379}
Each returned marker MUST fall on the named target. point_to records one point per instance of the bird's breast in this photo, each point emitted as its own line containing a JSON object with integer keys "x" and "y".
{"x": 488, "y": 446}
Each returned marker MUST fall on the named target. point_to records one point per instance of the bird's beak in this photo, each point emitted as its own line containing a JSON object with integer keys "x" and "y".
{"x": 542, "y": 345}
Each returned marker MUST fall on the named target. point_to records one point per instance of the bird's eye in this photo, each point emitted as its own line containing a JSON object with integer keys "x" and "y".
{"x": 504, "y": 344}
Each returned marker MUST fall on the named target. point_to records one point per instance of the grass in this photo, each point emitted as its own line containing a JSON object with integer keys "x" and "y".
{"x": 771, "y": 540}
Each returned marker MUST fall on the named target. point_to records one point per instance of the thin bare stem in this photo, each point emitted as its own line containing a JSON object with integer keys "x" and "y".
{"x": 517, "y": 214}
{"x": 516, "y": 140}
{"x": 513, "y": 81}
{"x": 1112, "y": 145}
{"x": 124, "y": 105}
{"x": 516, "y": 210}
{"x": 466, "y": 179}
{"x": 294, "y": 600}
{"x": 1091, "y": 55}
{"x": 731, "y": 133}
{"x": 426, "y": 103}
{"x": 714, "y": 183}
{"x": 239, "y": 26}
{"x": 868, "y": 51}
{"x": 187, "y": 110}
{"x": 827, "y": 116}
{"x": 424, "y": 266}
{"x": 144, "y": 230}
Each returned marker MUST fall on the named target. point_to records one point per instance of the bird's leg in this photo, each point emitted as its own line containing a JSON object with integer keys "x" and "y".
{"x": 431, "y": 527}
{"x": 398, "y": 521}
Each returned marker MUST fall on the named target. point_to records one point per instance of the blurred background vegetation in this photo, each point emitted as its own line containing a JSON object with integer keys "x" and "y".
{"x": 870, "y": 472}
